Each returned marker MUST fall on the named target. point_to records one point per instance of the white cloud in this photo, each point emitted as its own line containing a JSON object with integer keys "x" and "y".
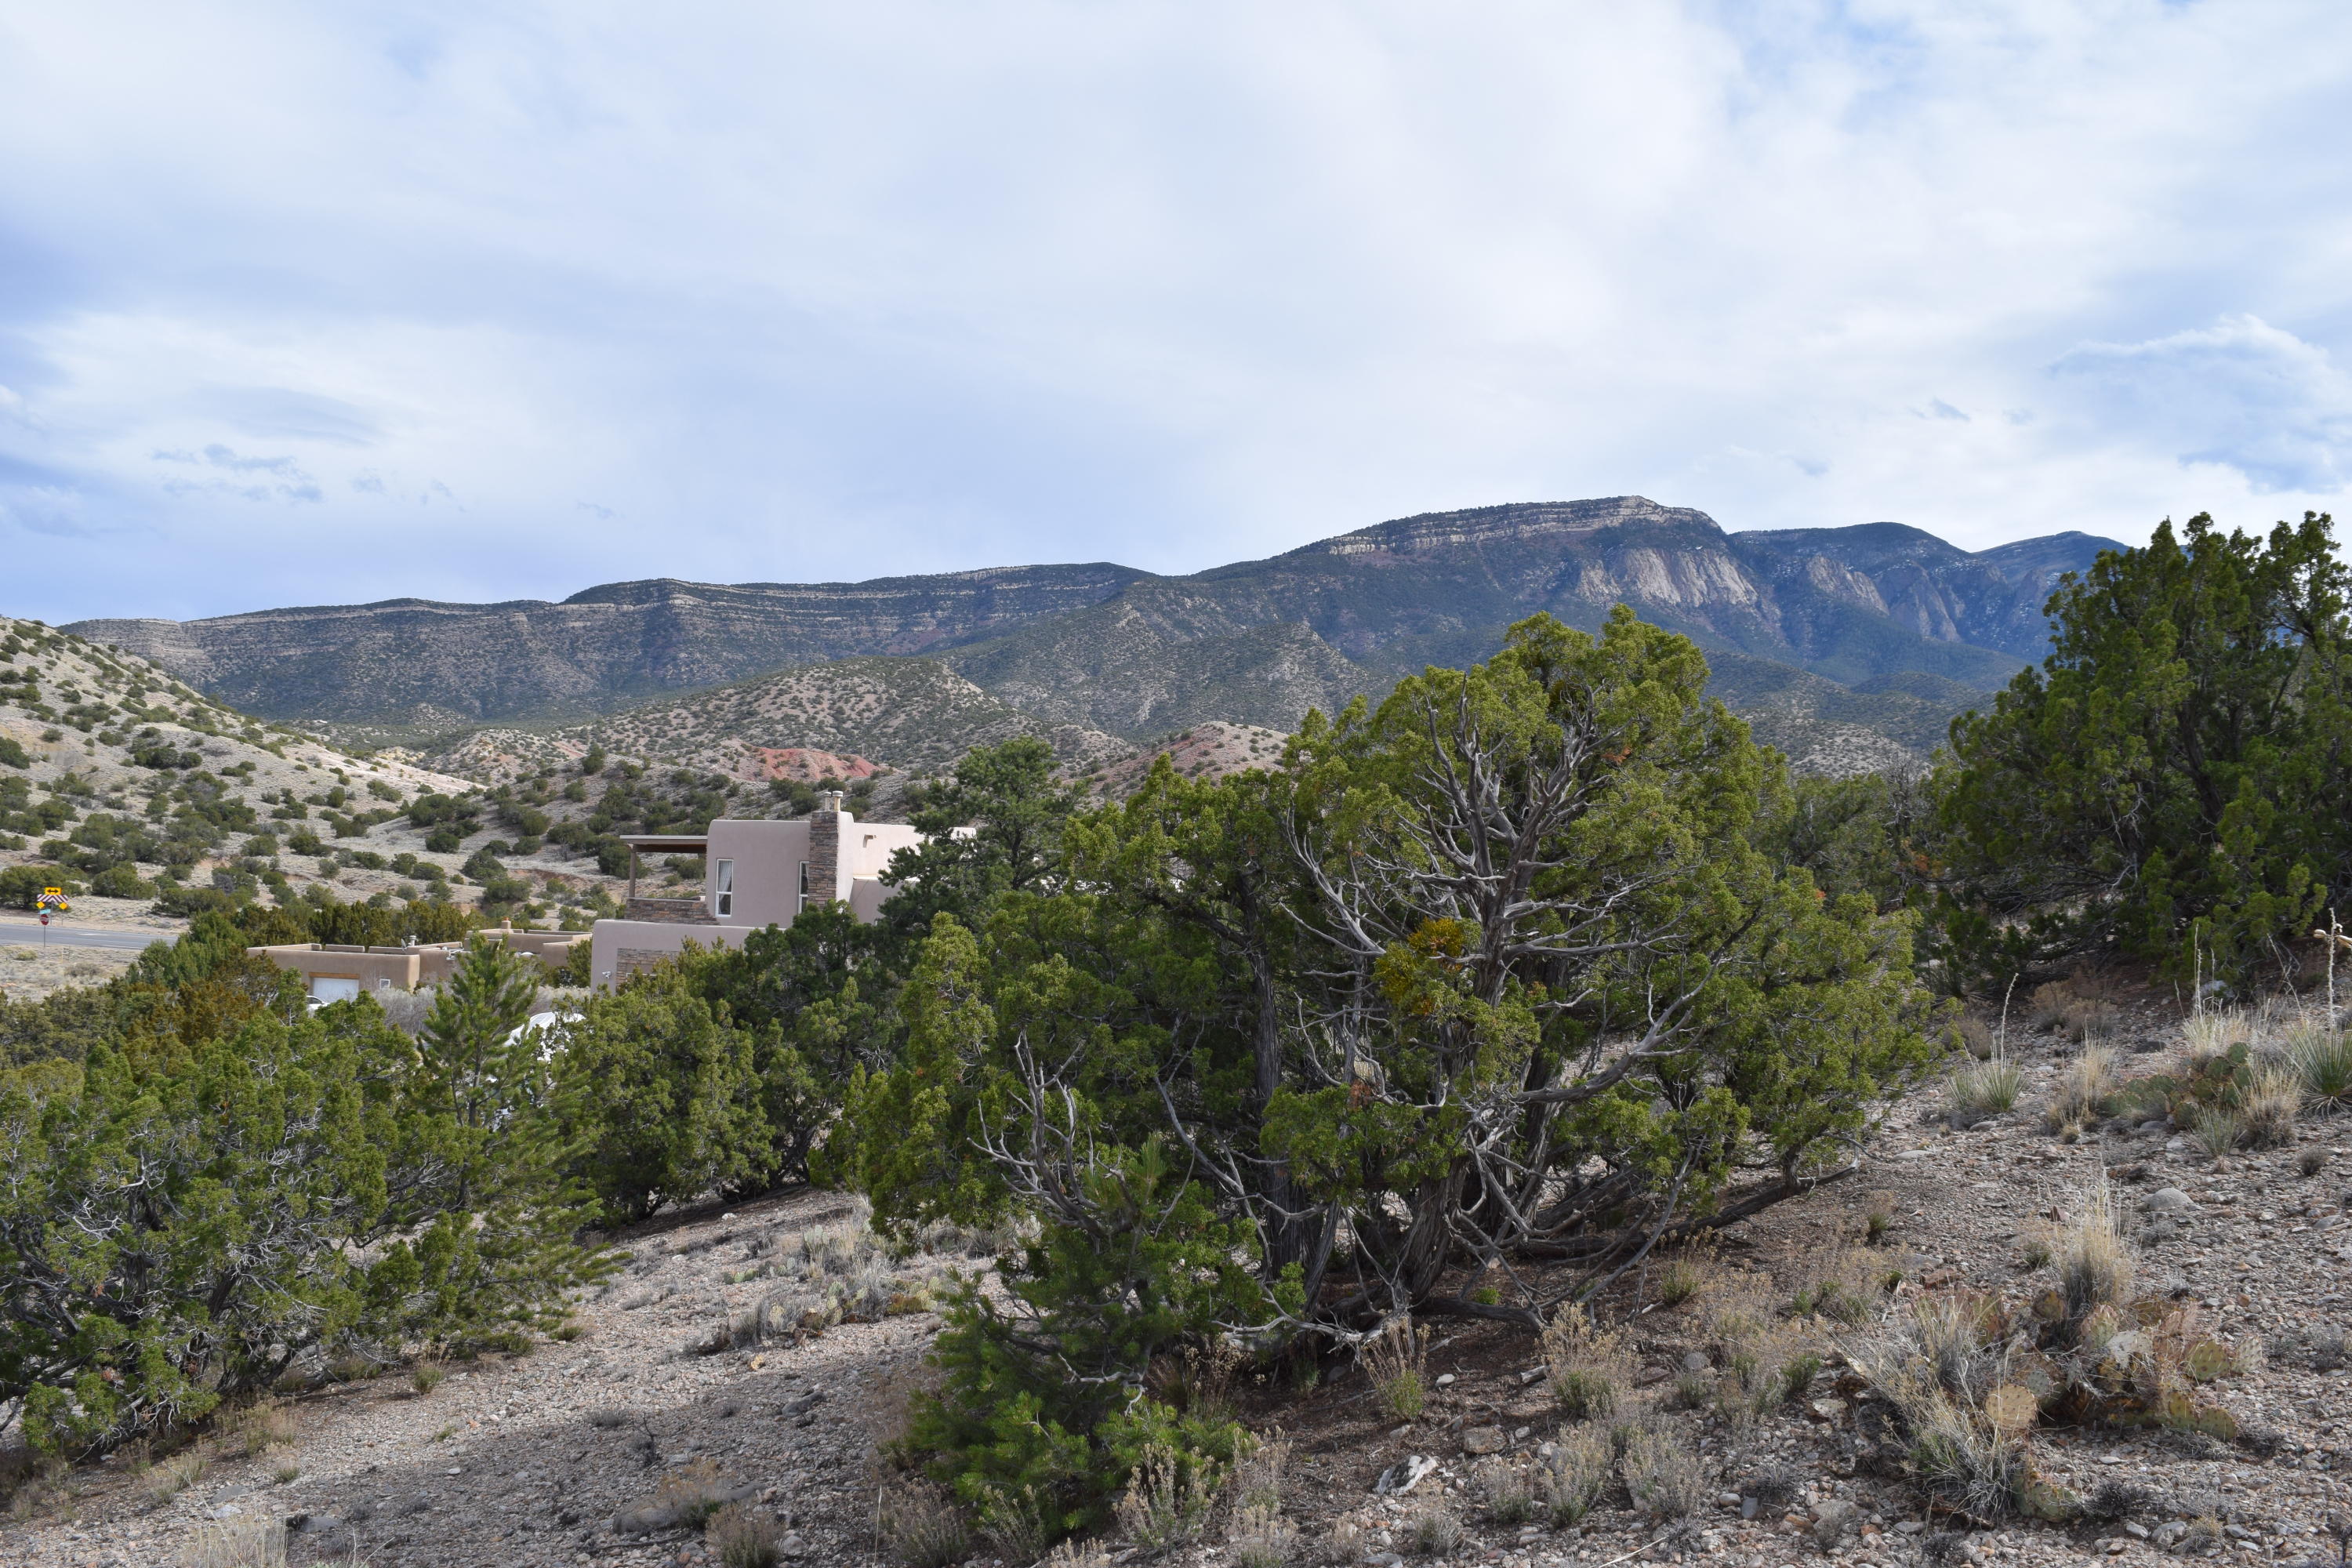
{"x": 807, "y": 292}
{"x": 2240, "y": 393}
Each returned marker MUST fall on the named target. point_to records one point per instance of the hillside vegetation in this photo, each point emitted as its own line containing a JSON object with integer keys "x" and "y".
{"x": 1854, "y": 645}
{"x": 120, "y": 780}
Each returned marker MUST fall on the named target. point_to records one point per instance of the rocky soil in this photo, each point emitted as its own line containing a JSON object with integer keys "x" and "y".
{"x": 557, "y": 1457}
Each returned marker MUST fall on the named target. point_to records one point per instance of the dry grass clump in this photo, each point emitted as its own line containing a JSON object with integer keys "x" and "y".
{"x": 263, "y": 1425}
{"x": 1169, "y": 1500}
{"x": 2079, "y": 1006}
{"x": 1075, "y": 1554}
{"x": 1434, "y": 1532}
{"x": 918, "y": 1526}
{"x": 1877, "y": 1216}
{"x": 425, "y": 1376}
{"x": 241, "y": 1543}
{"x": 1345, "y": 1543}
{"x": 1983, "y": 1091}
{"x": 842, "y": 1273}
{"x": 175, "y": 1475}
{"x": 1662, "y": 1475}
{"x": 2084, "y": 1089}
{"x": 743, "y": 1539}
{"x": 1260, "y": 1537}
{"x": 693, "y": 1494}
{"x": 2218, "y": 1129}
{"x": 1735, "y": 1306}
{"x": 2268, "y": 1105}
{"x": 1841, "y": 1283}
{"x": 1933, "y": 1368}
{"x": 2094, "y": 1266}
{"x": 1574, "y": 1478}
{"x": 1396, "y": 1360}
{"x": 1973, "y": 1037}
{"x": 1590, "y": 1367}
{"x": 2210, "y": 1032}
{"x": 1684, "y": 1276}
{"x": 1511, "y": 1491}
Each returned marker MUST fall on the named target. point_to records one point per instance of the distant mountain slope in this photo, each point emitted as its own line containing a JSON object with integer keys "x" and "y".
{"x": 913, "y": 713}
{"x": 601, "y": 648}
{"x": 1106, "y": 649}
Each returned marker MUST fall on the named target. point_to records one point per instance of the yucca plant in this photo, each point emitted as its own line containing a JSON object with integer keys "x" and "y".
{"x": 2322, "y": 1061}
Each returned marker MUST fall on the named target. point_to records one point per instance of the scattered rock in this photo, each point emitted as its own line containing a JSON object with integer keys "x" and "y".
{"x": 1483, "y": 1440}
{"x": 1833, "y": 1521}
{"x": 2168, "y": 1200}
{"x": 1404, "y": 1475}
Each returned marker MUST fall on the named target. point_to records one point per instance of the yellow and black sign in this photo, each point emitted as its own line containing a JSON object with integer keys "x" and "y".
{"x": 54, "y": 898}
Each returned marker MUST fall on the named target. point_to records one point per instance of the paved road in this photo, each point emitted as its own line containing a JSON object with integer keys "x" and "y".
{"x": 27, "y": 929}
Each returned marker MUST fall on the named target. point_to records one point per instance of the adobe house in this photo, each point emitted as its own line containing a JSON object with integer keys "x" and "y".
{"x": 339, "y": 972}
{"x": 755, "y": 873}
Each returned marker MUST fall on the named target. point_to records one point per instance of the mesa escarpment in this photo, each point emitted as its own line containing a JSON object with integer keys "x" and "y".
{"x": 1133, "y": 655}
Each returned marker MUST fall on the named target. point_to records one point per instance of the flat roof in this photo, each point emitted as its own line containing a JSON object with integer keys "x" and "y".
{"x": 666, "y": 840}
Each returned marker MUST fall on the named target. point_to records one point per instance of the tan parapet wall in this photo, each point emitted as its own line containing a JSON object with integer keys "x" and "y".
{"x": 374, "y": 969}
{"x": 621, "y": 948}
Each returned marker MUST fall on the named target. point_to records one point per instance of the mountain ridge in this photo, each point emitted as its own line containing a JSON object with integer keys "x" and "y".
{"x": 1100, "y": 646}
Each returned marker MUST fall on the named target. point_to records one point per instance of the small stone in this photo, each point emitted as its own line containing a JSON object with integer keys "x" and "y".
{"x": 1404, "y": 1475}
{"x": 1695, "y": 1361}
{"x": 2168, "y": 1200}
{"x": 1445, "y": 1380}
{"x": 1726, "y": 1500}
{"x": 1650, "y": 1374}
{"x": 1749, "y": 1508}
{"x": 2137, "y": 1531}
{"x": 1483, "y": 1440}
{"x": 1833, "y": 1521}
{"x": 1826, "y": 1409}
{"x": 1911, "y": 1526}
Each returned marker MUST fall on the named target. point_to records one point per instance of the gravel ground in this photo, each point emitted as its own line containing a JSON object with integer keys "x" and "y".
{"x": 530, "y": 1460}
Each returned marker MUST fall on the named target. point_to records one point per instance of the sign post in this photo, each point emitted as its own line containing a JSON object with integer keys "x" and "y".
{"x": 50, "y": 898}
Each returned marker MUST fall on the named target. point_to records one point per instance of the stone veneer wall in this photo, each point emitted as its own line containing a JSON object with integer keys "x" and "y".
{"x": 825, "y": 857}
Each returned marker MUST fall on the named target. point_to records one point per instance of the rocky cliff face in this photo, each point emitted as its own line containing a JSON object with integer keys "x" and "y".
{"x": 1103, "y": 648}
{"x": 601, "y": 648}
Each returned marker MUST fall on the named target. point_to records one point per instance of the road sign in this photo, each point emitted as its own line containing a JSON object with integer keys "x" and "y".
{"x": 52, "y": 899}
{"x": 45, "y": 917}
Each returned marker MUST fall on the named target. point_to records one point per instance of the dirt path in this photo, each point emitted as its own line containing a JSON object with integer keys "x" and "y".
{"x": 523, "y": 1462}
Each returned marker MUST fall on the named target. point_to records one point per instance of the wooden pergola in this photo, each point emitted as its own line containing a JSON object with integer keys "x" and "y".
{"x": 661, "y": 843}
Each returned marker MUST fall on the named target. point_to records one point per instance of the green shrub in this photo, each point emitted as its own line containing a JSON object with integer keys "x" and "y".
{"x": 11, "y": 753}
{"x": 312, "y": 1184}
{"x": 657, "y": 1097}
{"x": 2237, "y": 798}
{"x": 21, "y": 886}
{"x": 1144, "y": 983}
{"x": 120, "y": 881}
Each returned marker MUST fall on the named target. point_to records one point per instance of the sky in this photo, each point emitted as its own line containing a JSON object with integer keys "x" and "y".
{"x": 320, "y": 304}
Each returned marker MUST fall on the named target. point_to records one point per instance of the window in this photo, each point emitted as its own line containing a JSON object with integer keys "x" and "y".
{"x": 803, "y": 903}
{"x": 334, "y": 987}
{"x": 722, "y": 890}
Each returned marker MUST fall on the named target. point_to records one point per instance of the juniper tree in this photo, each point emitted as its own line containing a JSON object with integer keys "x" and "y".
{"x": 1491, "y": 973}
